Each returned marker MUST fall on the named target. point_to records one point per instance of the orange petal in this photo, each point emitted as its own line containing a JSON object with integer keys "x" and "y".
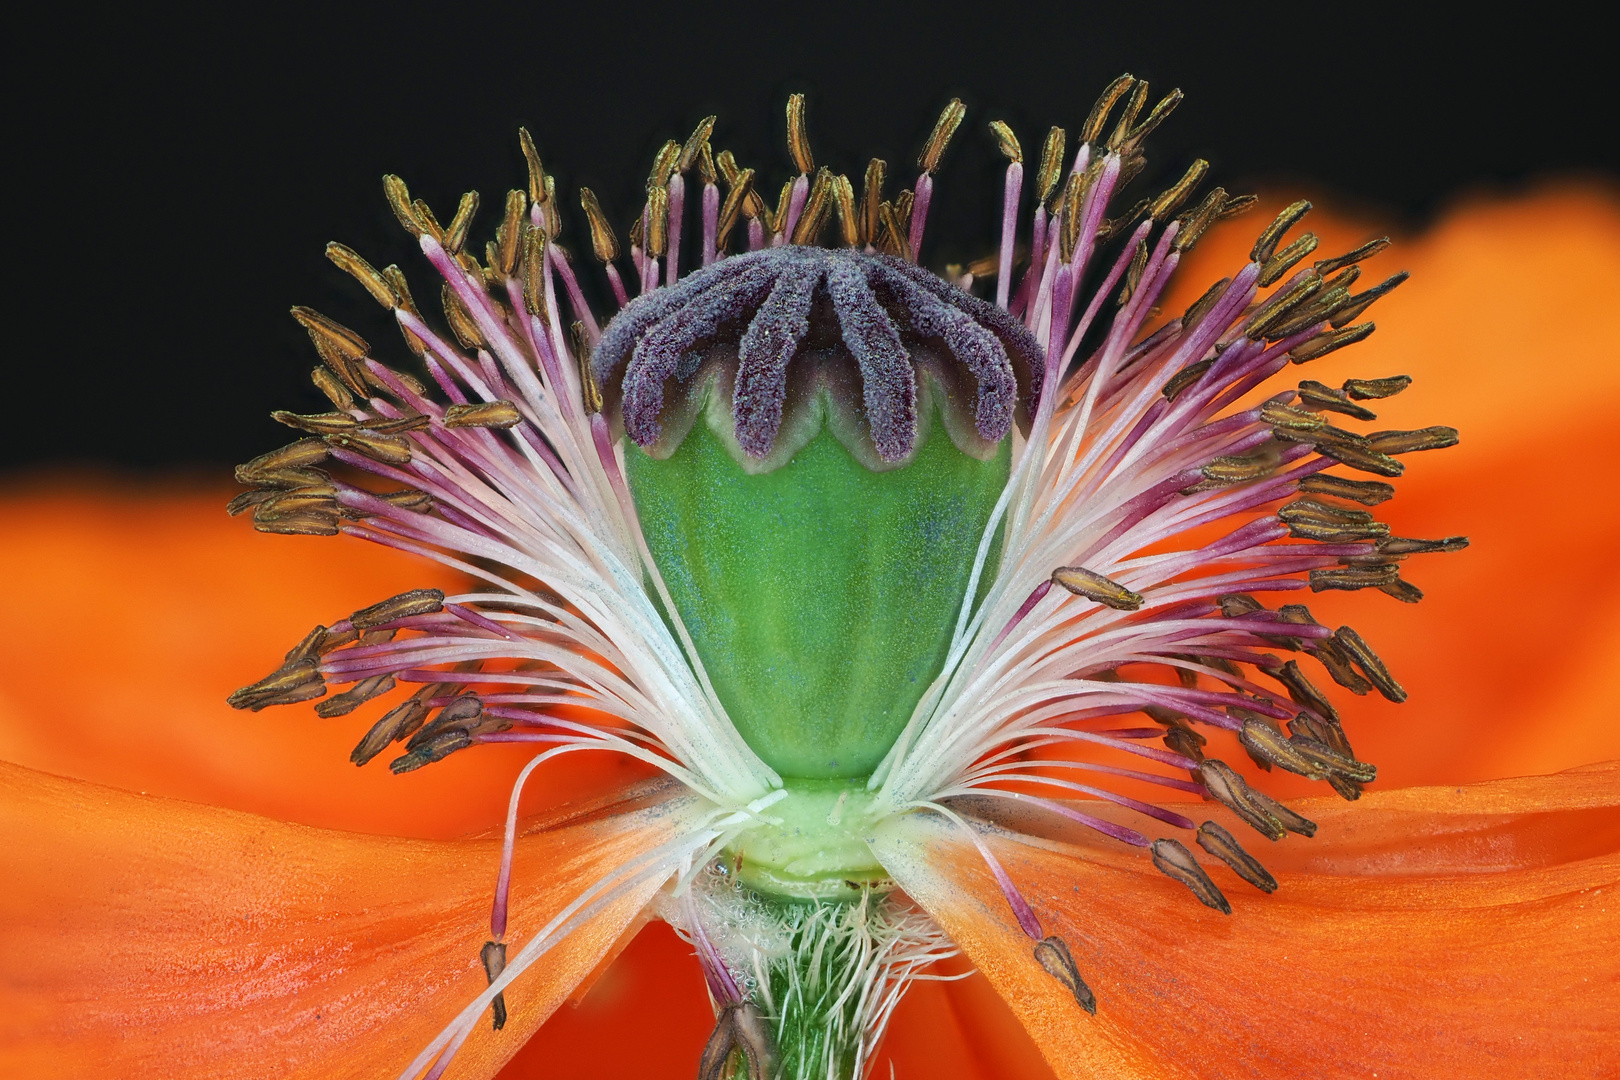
{"x": 146, "y": 607}
{"x": 146, "y": 937}
{"x": 1508, "y": 657}
{"x": 1426, "y": 932}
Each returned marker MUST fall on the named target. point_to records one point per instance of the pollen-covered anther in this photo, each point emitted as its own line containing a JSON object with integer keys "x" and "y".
{"x": 1304, "y": 756}
{"x": 1053, "y": 954}
{"x": 1220, "y": 843}
{"x": 288, "y": 685}
{"x": 403, "y": 606}
{"x": 1093, "y": 586}
{"x": 1268, "y": 816}
{"x": 356, "y": 696}
{"x": 1172, "y": 858}
{"x": 484, "y": 414}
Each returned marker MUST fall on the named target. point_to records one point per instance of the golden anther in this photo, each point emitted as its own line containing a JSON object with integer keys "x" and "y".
{"x": 1007, "y": 142}
{"x": 350, "y": 262}
{"x": 509, "y": 236}
{"x": 849, "y": 226}
{"x": 537, "y": 174}
{"x": 603, "y": 242}
{"x": 798, "y": 141}
{"x": 1105, "y": 104}
{"x": 945, "y": 127}
{"x": 871, "y": 200}
{"x": 1046, "y": 181}
{"x": 694, "y": 145}
{"x": 455, "y": 237}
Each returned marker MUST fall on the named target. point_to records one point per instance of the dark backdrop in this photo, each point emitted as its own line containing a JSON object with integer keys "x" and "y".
{"x": 175, "y": 177}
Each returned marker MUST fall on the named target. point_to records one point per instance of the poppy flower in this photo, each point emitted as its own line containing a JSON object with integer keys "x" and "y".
{"x": 822, "y": 870}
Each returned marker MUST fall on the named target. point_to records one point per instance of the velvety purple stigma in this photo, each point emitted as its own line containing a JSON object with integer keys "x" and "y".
{"x": 767, "y": 303}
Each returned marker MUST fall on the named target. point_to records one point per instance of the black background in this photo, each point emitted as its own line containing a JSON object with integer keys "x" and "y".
{"x": 175, "y": 177}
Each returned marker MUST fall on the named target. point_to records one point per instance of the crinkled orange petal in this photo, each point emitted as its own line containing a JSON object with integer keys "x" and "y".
{"x": 1422, "y": 933}
{"x": 143, "y": 937}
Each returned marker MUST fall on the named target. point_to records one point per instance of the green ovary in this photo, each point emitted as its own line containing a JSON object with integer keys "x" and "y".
{"x": 821, "y": 596}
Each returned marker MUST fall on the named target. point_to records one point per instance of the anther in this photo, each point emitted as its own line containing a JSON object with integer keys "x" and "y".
{"x": 1195, "y": 222}
{"x": 493, "y": 957}
{"x": 1289, "y": 418}
{"x": 1305, "y": 756}
{"x": 388, "y": 449}
{"x": 1365, "y": 389}
{"x": 657, "y": 221}
{"x": 1172, "y": 198}
{"x": 1053, "y": 954}
{"x": 817, "y": 208}
{"x": 1362, "y": 655}
{"x": 1156, "y": 116}
{"x": 300, "y": 512}
{"x": 317, "y": 423}
{"x": 455, "y": 236}
{"x": 400, "y": 722}
{"x": 1051, "y": 170}
{"x": 1267, "y": 242}
{"x": 694, "y": 145}
{"x": 1361, "y": 459}
{"x": 1173, "y": 859}
{"x": 1007, "y": 142}
{"x": 798, "y": 141}
{"x": 298, "y": 455}
{"x": 534, "y": 263}
{"x": 460, "y": 320}
{"x": 1240, "y": 468}
{"x": 349, "y": 261}
{"x": 1127, "y": 118}
{"x": 1093, "y": 586}
{"x": 604, "y": 244}
{"x": 1273, "y": 312}
{"x": 1402, "y": 545}
{"x": 945, "y": 127}
{"x": 1315, "y": 395}
{"x": 843, "y": 198}
{"x": 330, "y": 385}
{"x": 351, "y": 699}
{"x": 1221, "y": 844}
{"x": 1332, "y": 657}
{"x": 1263, "y": 813}
{"x": 284, "y": 686}
{"x": 1099, "y": 111}
{"x": 742, "y": 190}
{"x": 1202, "y": 306}
{"x": 1283, "y": 261}
{"x": 1330, "y": 341}
{"x": 1351, "y": 578}
{"x": 340, "y": 347}
{"x": 1358, "y": 304}
{"x": 1365, "y": 251}
{"x": 403, "y": 606}
{"x": 436, "y": 750}
{"x": 872, "y": 200}
{"x": 485, "y": 414}
{"x": 537, "y": 174}
{"x": 1366, "y": 492}
{"x": 399, "y": 201}
{"x": 1407, "y": 442}
{"x": 463, "y": 714}
{"x": 1185, "y": 378}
